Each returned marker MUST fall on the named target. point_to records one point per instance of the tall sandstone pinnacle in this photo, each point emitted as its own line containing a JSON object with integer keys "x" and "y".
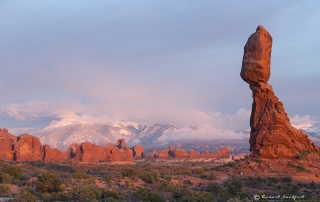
{"x": 271, "y": 132}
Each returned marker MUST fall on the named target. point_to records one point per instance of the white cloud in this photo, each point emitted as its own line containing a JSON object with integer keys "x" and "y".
{"x": 62, "y": 113}
{"x": 206, "y": 132}
{"x": 303, "y": 122}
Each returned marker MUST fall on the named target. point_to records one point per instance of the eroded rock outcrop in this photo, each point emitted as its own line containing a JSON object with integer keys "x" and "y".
{"x": 55, "y": 155}
{"x": 223, "y": 152}
{"x": 7, "y": 141}
{"x": 28, "y": 148}
{"x": 271, "y": 132}
{"x": 138, "y": 151}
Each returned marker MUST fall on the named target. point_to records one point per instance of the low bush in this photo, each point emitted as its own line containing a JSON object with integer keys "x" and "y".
{"x": 130, "y": 172}
{"x": 234, "y": 185}
{"x": 198, "y": 196}
{"x": 274, "y": 180}
{"x": 5, "y": 189}
{"x": 49, "y": 183}
{"x": 303, "y": 153}
{"x": 26, "y": 196}
{"x": 287, "y": 179}
{"x": 14, "y": 171}
{"x": 5, "y": 178}
{"x": 150, "y": 177}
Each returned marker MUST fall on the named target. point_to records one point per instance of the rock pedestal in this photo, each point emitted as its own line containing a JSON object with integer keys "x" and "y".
{"x": 271, "y": 132}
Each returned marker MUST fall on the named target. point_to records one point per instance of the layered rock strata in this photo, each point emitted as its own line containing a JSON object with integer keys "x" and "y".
{"x": 271, "y": 132}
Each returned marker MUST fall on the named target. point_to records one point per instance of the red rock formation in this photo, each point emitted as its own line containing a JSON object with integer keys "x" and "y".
{"x": 28, "y": 148}
{"x": 164, "y": 154}
{"x": 7, "y": 141}
{"x": 75, "y": 152}
{"x": 181, "y": 153}
{"x": 171, "y": 151}
{"x": 223, "y": 153}
{"x": 120, "y": 143}
{"x": 138, "y": 151}
{"x": 93, "y": 153}
{"x": 154, "y": 154}
{"x": 55, "y": 155}
{"x": 271, "y": 132}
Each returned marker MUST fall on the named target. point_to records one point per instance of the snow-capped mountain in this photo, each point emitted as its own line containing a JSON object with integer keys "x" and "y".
{"x": 133, "y": 133}
{"x": 313, "y": 131}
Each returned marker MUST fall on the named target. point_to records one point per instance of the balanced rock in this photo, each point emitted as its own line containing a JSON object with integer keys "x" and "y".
{"x": 271, "y": 132}
{"x": 257, "y": 57}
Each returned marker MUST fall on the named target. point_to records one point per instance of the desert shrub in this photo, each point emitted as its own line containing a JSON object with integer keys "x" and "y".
{"x": 5, "y": 189}
{"x": 110, "y": 194}
{"x": 130, "y": 172}
{"x": 26, "y": 196}
{"x": 237, "y": 199}
{"x": 290, "y": 189}
{"x": 140, "y": 194}
{"x": 60, "y": 196}
{"x": 303, "y": 153}
{"x": 108, "y": 179}
{"x": 168, "y": 178}
{"x": 214, "y": 188}
{"x": 234, "y": 185}
{"x": 46, "y": 197}
{"x": 274, "y": 180}
{"x": 232, "y": 164}
{"x": 150, "y": 177}
{"x": 14, "y": 171}
{"x": 198, "y": 196}
{"x": 259, "y": 160}
{"x": 85, "y": 193}
{"x": 49, "y": 183}
{"x": 257, "y": 182}
{"x": 154, "y": 196}
{"x": 287, "y": 179}
{"x": 212, "y": 176}
{"x": 301, "y": 167}
{"x": 187, "y": 182}
{"x": 5, "y": 178}
{"x": 78, "y": 175}
{"x": 198, "y": 171}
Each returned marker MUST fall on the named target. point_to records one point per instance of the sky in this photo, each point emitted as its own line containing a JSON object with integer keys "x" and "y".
{"x": 96, "y": 62}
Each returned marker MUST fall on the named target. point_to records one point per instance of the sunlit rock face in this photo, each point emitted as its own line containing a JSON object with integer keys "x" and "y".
{"x": 7, "y": 141}
{"x": 271, "y": 132}
{"x": 28, "y": 148}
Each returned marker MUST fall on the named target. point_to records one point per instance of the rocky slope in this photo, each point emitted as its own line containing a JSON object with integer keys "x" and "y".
{"x": 271, "y": 132}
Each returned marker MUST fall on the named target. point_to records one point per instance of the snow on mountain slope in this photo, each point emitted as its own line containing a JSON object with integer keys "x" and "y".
{"x": 133, "y": 133}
